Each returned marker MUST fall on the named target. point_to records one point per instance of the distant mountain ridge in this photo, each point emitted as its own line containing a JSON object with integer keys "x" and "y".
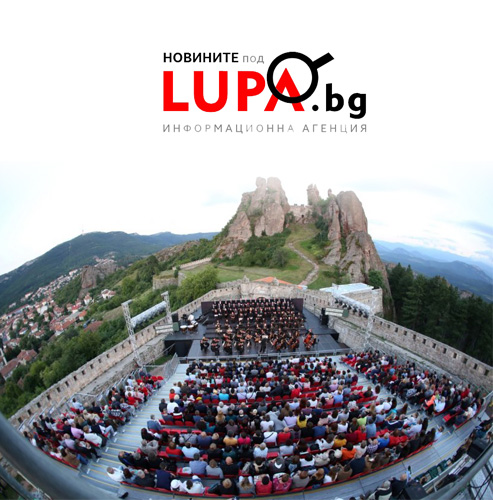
{"x": 471, "y": 276}
{"x": 81, "y": 251}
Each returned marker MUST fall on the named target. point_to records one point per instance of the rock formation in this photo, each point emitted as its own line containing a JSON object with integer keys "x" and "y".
{"x": 313, "y": 195}
{"x": 351, "y": 247}
{"x": 267, "y": 211}
{"x": 262, "y": 211}
{"x": 90, "y": 275}
{"x": 169, "y": 252}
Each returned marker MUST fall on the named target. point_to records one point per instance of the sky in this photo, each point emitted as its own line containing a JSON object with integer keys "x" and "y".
{"x": 82, "y": 146}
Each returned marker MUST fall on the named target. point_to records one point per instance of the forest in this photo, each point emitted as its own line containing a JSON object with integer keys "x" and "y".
{"x": 434, "y": 308}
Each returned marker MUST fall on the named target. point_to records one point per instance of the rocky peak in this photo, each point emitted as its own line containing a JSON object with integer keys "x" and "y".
{"x": 313, "y": 195}
{"x": 351, "y": 248}
{"x": 352, "y": 216}
{"x": 91, "y": 275}
{"x": 262, "y": 211}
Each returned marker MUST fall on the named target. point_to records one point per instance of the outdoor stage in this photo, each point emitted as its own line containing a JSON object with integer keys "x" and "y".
{"x": 187, "y": 344}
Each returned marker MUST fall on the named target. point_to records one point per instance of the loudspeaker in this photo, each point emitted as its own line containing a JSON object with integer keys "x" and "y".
{"x": 174, "y": 317}
{"x": 176, "y": 326}
{"x": 324, "y": 319}
{"x": 414, "y": 491}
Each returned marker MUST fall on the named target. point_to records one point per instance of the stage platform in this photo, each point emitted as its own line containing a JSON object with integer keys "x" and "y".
{"x": 188, "y": 344}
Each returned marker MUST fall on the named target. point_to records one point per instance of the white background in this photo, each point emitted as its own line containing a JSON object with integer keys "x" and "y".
{"x": 82, "y": 146}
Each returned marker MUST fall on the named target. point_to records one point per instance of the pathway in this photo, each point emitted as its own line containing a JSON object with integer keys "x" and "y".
{"x": 313, "y": 274}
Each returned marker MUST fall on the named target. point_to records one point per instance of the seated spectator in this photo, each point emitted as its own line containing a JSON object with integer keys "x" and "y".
{"x": 230, "y": 439}
{"x": 193, "y": 486}
{"x": 213, "y": 470}
{"x": 144, "y": 478}
{"x": 264, "y": 485}
{"x": 154, "y": 425}
{"x": 164, "y": 477}
{"x": 260, "y": 450}
{"x": 287, "y": 448}
{"x": 258, "y": 466}
{"x": 348, "y": 452}
{"x": 244, "y": 439}
{"x": 383, "y": 492}
{"x": 282, "y": 484}
{"x": 198, "y": 466}
{"x": 189, "y": 451}
{"x": 270, "y": 437}
{"x": 277, "y": 466}
{"x": 70, "y": 458}
{"x": 300, "y": 479}
{"x": 307, "y": 462}
{"x": 172, "y": 450}
{"x": 345, "y": 472}
{"x": 229, "y": 468}
{"x": 204, "y": 441}
{"x": 317, "y": 479}
{"x": 245, "y": 485}
{"x": 227, "y": 487}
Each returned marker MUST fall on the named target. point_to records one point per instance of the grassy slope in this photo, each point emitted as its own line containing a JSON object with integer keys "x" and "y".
{"x": 296, "y": 269}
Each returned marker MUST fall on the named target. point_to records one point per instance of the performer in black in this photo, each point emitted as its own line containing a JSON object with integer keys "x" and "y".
{"x": 204, "y": 343}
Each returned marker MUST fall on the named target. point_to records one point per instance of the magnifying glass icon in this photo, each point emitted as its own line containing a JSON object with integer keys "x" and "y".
{"x": 313, "y": 65}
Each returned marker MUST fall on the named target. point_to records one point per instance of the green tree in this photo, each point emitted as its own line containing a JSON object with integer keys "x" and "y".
{"x": 280, "y": 258}
{"x": 197, "y": 285}
{"x": 375, "y": 279}
{"x": 412, "y": 311}
{"x": 400, "y": 280}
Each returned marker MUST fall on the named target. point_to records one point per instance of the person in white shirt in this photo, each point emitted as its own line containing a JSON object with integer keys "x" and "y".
{"x": 439, "y": 404}
{"x": 189, "y": 451}
{"x": 260, "y": 450}
{"x": 115, "y": 474}
{"x": 170, "y": 407}
{"x": 323, "y": 444}
{"x": 193, "y": 485}
{"x": 77, "y": 405}
{"x": 267, "y": 424}
{"x": 270, "y": 437}
{"x": 342, "y": 427}
{"x": 286, "y": 449}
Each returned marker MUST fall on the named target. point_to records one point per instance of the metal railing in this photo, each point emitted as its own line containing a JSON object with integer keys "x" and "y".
{"x": 272, "y": 355}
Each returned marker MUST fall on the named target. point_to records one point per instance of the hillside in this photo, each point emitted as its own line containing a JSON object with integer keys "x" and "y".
{"x": 81, "y": 251}
{"x": 460, "y": 274}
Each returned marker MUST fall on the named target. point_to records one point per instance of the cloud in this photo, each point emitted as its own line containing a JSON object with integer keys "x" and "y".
{"x": 478, "y": 227}
{"x": 399, "y": 185}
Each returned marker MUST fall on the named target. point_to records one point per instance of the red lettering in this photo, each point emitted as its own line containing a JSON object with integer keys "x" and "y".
{"x": 285, "y": 83}
{"x": 244, "y": 92}
{"x": 198, "y": 92}
{"x": 168, "y": 103}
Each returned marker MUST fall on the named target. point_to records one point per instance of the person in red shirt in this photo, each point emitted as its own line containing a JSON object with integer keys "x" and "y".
{"x": 283, "y": 436}
{"x": 245, "y": 439}
{"x": 264, "y": 486}
{"x": 282, "y": 484}
{"x": 173, "y": 451}
{"x": 361, "y": 434}
{"x": 295, "y": 393}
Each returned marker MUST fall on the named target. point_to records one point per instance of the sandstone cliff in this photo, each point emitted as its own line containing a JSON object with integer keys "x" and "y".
{"x": 267, "y": 211}
{"x": 262, "y": 211}
{"x": 90, "y": 275}
{"x": 169, "y": 252}
{"x": 350, "y": 246}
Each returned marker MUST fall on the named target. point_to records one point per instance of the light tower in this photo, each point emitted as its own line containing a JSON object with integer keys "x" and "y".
{"x": 140, "y": 318}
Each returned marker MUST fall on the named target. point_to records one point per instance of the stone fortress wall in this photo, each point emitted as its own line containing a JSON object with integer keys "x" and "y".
{"x": 109, "y": 367}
